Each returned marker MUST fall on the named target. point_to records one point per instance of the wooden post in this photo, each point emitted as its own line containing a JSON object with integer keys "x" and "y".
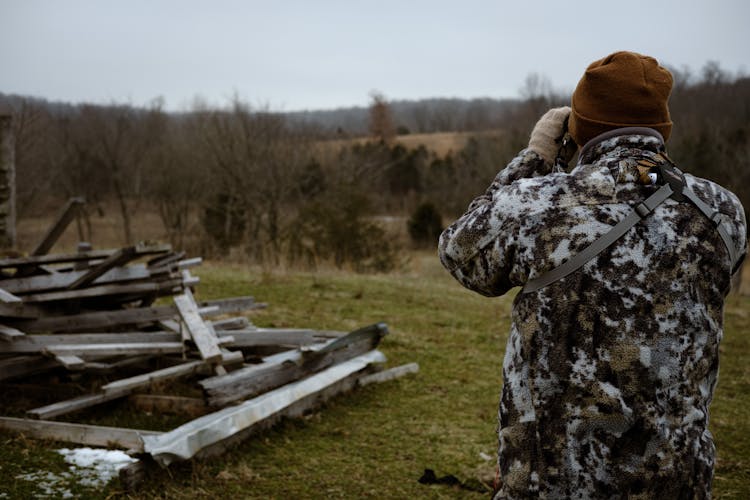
{"x": 7, "y": 184}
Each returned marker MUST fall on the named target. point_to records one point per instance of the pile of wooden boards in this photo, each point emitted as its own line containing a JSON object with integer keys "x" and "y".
{"x": 107, "y": 313}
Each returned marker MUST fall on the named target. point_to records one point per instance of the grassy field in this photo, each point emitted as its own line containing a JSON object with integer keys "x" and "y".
{"x": 440, "y": 143}
{"x": 377, "y": 441}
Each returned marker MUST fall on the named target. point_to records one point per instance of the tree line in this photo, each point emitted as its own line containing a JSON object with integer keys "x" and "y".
{"x": 284, "y": 188}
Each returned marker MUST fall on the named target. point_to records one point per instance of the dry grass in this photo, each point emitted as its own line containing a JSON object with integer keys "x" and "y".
{"x": 106, "y": 228}
{"x": 439, "y": 143}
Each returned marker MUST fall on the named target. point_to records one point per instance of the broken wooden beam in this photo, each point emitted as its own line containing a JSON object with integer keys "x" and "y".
{"x": 237, "y": 323}
{"x": 104, "y": 290}
{"x": 211, "y": 430}
{"x": 20, "y": 366}
{"x": 142, "y": 249}
{"x": 124, "y": 387}
{"x": 20, "y": 310}
{"x": 120, "y": 257}
{"x": 71, "y": 210}
{"x": 9, "y": 334}
{"x": 75, "y": 404}
{"x": 166, "y": 260}
{"x": 390, "y": 374}
{"x": 104, "y": 350}
{"x": 61, "y": 280}
{"x": 37, "y": 344}
{"x": 233, "y": 305}
{"x": 69, "y": 361}
{"x": 176, "y": 405}
{"x": 6, "y": 296}
{"x": 200, "y": 334}
{"x": 146, "y": 379}
{"x": 87, "y": 435}
{"x": 91, "y": 321}
{"x": 286, "y": 367}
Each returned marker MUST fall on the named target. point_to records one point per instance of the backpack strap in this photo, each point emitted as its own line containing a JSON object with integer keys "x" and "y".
{"x": 716, "y": 219}
{"x": 675, "y": 187}
{"x": 577, "y": 261}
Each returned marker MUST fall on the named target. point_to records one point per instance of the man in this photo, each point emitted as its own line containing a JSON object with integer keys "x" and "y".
{"x": 610, "y": 366}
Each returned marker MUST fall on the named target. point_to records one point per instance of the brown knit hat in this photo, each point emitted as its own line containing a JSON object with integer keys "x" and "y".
{"x": 624, "y": 89}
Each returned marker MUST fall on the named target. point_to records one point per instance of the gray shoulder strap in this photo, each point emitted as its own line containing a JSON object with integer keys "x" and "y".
{"x": 577, "y": 261}
{"x": 716, "y": 218}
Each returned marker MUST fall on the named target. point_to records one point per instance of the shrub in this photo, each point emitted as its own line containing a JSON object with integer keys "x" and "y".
{"x": 224, "y": 220}
{"x": 336, "y": 228}
{"x": 425, "y": 225}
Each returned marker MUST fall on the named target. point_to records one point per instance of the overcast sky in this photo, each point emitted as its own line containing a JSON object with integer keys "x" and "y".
{"x": 318, "y": 54}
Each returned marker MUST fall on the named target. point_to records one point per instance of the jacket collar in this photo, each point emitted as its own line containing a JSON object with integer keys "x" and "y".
{"x": 642, "y": 138}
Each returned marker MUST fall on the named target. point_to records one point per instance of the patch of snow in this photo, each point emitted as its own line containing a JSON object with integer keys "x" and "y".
{"x": 94, "y": 466}
{"x": 89, "y": 467}
{"x": 50, "y": 484}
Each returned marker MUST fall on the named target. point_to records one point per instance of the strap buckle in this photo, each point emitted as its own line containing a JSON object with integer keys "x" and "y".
{"x": 716, "y": 218}
{"x": 642, "y": 210}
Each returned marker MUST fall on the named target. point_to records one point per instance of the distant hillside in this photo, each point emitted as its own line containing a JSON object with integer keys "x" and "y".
{"x": 419, "y": 116}
{"x": 410, "y": 116}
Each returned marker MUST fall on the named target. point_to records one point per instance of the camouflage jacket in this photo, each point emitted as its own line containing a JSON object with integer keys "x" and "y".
{"x": 609, "y": 372}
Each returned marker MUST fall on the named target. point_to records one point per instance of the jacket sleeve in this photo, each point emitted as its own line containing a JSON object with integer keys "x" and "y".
{"x": 481, "y": 249}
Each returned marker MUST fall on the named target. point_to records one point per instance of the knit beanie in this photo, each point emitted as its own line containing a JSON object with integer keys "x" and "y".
{"x": 624, "y": 89}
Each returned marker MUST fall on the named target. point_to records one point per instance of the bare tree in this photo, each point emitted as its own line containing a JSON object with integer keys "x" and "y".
{"x": 110, "y": 144}
{"x": 256, "y": 163}
{"x": 381, "y": 118}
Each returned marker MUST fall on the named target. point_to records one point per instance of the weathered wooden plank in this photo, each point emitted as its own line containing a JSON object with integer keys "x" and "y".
{"x": 39, "y": 260}
{"x": 173, "y": 326}
{"x": 177, "y": 405}
{"x": 20, "y": 310}
{"x": 210, "y": 430}
{"x": 390, "y": 374}
{"x": 36, "y": 344}
{"x": 102, "y": 290}
{"x": 19, "y": 366}
{"x": 69, "y": 361}
{"x": 94, "y": 255}
{"x": 296, "y": 409}
{"x": 31, "y": 344}
{"x": 59, "y": 280}
{"x": 229, "y": 358}
{"x": 134, "y": 474}
{"x": 166, "y": 260}
{"x": 113, "y": 366}
{"x": 205, "y": 342}
{"x": 119, "y": 258}
{"x": 188, "y": 280}
{"x": 234, "y": 304}
{"x": 90, "y": 321}
{"x": 134, "y": 348}
{"x": 188, "y": 263}
{"x": 7, "y": 296}
{"x": 286, "y": 367}
{"x": 237, "y": 323}
{"x": 146, "y": 379}
{"x": 10, "y": 334}
{"x": 70, "y": 405}
{"x": 255, "y": 337}
{"x": 53, "y": 234}
{"x": 88, "y": 435}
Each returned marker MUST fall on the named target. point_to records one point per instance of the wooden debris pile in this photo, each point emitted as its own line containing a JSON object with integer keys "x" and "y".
{"x": 128, "y": 319}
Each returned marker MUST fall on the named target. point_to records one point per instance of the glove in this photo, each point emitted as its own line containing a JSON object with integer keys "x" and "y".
{"x": 547, "y": 137}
